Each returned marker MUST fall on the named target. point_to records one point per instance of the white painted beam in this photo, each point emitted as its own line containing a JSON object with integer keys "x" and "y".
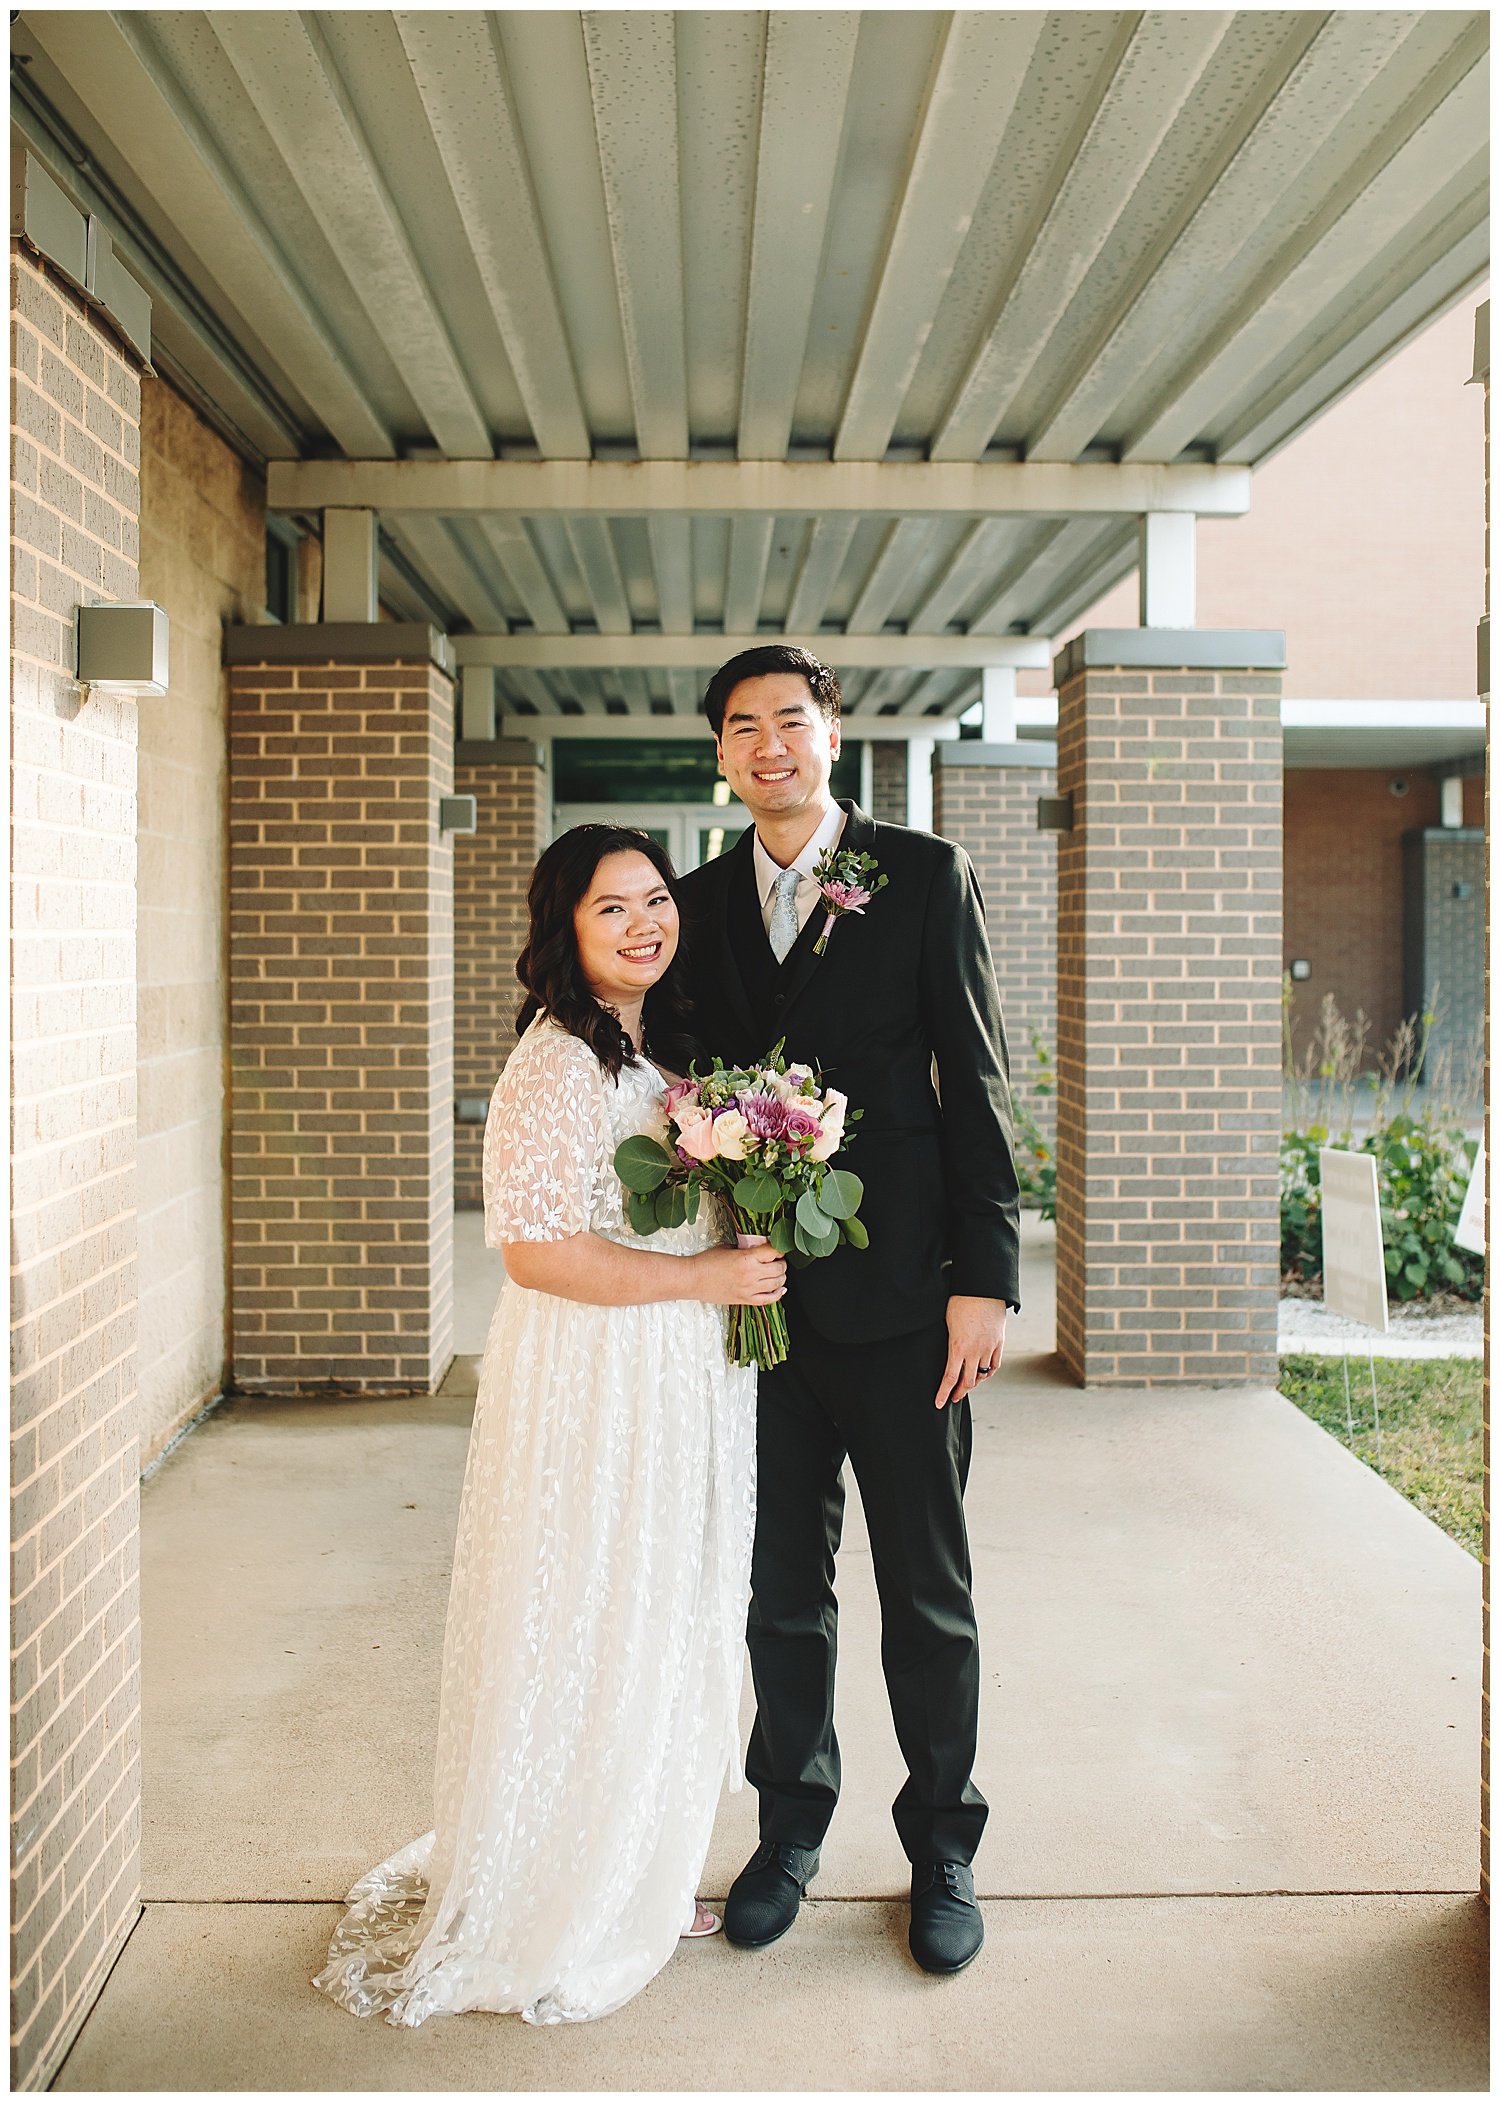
{"x": 457, "y": 66}
{"x": 998, "y": 703}
{"x": 808, "y": 64}
{"x": 692, "y": 726}
{"x": 976, "y": 80}
{"x": 1234, "y": 196}
{"x": 1275, "y": 316}
{"x": 292, "y": 79}
{"x": 827, "y": 545}
{"x": 118, "y": 64}
{"x": 351, "y": 566}
{"x": 632, "y": 62}
{"x": 705, "y": 652}
{"x": 1168, "y": 570}
{"x": 721, "y": 488}
{"x": 919, "y": 782}
{"x": 1159, "y": 60}
{"x": 478, "y": 719}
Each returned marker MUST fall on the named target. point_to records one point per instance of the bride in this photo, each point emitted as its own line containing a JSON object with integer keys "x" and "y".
{"x": 593, "y": 1652}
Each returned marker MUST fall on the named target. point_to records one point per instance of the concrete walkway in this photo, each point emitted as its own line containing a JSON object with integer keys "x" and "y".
{"x": 1230, "y": 1740}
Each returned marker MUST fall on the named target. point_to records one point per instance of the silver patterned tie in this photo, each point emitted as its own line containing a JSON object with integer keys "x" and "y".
{"x": 784, "y": 929}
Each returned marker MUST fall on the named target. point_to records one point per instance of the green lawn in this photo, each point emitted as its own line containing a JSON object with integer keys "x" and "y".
{"x": 1431, "y": 1428}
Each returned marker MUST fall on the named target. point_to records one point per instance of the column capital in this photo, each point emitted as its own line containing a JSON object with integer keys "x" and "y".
{"x": 1020, "y": 751}
{"x": 340, "y": 642}
{"x": 1172, "y": 649}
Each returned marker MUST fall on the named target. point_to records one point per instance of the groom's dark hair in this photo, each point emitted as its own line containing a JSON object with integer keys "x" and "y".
{"x": 765, "y": 660}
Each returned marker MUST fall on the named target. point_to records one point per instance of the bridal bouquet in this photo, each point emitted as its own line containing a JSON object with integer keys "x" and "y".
{"x": 761, "y": 1137}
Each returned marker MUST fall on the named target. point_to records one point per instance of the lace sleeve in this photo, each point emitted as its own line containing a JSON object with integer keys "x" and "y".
{"x": 543, "y": 1140}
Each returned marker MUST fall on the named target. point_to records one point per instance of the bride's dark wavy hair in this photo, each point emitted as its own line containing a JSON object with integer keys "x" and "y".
{"x": 550, "y": 968}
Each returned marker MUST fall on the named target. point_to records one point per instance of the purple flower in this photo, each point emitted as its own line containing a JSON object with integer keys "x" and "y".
{"x": 766, "y": 1115}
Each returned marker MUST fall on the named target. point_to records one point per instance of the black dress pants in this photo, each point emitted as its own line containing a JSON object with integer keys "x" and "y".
{"x": 871, "y": 1402}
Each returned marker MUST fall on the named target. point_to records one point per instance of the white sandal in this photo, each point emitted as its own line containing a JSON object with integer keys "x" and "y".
{"x": 704, "y": 1924}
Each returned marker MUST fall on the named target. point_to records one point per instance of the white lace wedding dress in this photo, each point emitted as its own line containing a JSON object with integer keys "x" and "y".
{"x": 594, "y": 1646}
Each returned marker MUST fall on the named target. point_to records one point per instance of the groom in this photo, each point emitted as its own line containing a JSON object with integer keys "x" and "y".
{"x": 886, "y": 1343}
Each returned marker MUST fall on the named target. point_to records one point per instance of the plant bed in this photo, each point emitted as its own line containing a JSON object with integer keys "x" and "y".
{"x": 1431, "y": 1428}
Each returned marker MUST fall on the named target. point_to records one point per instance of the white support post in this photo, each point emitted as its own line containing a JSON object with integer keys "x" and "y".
{"x": 919, "y": 783}
{"x": 1451, "y": 815}
{"x": 998, "y": 704}
{"x": 1168, "y": 569}
{"x": 478, "y": 713}
{"x": 351, "y": 566}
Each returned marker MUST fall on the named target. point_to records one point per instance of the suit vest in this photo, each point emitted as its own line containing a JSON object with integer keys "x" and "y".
{"x": 764, "y": 977}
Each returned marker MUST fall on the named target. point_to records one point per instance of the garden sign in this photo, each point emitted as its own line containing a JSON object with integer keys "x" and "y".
{"x": 1353, "y": 1251}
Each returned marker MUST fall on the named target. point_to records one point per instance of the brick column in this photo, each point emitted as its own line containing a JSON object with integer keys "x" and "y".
{"x": 1169, "y": 1014}
{"x": 341, "y": 1009}
{"x": 888, "y": 780}
{"x": 984, "y": 798}
{"x": 75, "y": 1626}
{"x": 491, "y": 871}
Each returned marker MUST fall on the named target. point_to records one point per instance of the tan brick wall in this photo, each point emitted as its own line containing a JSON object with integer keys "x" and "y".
{"x": 491, "y": 871}
{"x": 888, "y": 762}
{"x": 991, "y": 812}
{"x": 1169, "y": 1054}
{"x": 203, "y": 559}
{"x": 341, "y": 992}
{"x": 75, "y": 1630}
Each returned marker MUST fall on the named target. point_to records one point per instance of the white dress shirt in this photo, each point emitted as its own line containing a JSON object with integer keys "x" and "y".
{"x": 767, "y": 870}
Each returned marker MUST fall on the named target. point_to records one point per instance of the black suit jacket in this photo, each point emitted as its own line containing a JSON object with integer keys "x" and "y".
{"x": 907, "y": 981}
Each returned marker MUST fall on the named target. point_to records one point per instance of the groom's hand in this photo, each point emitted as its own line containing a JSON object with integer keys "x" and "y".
{"x": 976, "y": 1341}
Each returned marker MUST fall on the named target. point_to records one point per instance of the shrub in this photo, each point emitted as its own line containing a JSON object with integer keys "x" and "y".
{"x": 1423, "y": 1158}
{"x": 1036, "y": 1160}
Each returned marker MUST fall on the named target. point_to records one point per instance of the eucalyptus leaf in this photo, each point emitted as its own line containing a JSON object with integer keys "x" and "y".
{"x": 856, "y": 1233}
{"x": 757, "y": 1194}
{"x": 814, "y": 1246}
{"x": 641, "y": 1208}
{"x": 783, "y": 1236}
{"x": 841, "y": 1193}
{"x": 812, "y": 1218}
{"x": 642, "y": 1164}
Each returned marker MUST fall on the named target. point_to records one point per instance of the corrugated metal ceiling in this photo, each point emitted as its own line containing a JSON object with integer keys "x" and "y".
{"x": 1141, "y": 237}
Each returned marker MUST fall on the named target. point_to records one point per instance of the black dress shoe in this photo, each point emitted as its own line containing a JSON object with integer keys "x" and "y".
{"x": 765, "y": 1895}
{"x": 947, "y": 1927}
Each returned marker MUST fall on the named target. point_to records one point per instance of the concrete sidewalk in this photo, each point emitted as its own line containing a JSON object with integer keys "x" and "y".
{"x": 1230, "y": 1741}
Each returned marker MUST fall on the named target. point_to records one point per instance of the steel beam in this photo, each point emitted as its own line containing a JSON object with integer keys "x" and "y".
{"x": 798, "y": 488}
{"x": 704, "y": 652}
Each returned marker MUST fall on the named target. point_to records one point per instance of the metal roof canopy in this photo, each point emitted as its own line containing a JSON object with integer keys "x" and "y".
{"x": 901, "y": 252}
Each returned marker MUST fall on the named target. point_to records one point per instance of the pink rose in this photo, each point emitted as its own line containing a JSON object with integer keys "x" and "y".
{"x": 831, "y": 1129}
{"x": 801, "y": 1123}
{"x": 695, "y": 1131}
{"x": 679, "y": 1092}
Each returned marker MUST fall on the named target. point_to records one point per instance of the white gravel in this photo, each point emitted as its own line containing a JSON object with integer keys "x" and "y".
{"x": 1306, "y": 1325}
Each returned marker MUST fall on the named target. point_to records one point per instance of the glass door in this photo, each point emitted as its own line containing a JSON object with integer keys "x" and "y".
{"x": 692, "y": 833}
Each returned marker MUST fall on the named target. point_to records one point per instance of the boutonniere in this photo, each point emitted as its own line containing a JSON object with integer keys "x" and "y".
{"x": 846, "y": 881}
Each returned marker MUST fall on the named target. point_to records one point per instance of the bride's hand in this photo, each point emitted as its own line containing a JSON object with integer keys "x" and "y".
{"x": 739, "y": 1276}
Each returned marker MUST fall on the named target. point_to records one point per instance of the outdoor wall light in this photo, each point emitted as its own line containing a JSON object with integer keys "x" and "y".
{"x": 123, "y": 649}
{"x": 471, "y": 1109}
{"x": 1301, "y": 968}
{"x": 1054, "y": 813}
{"x": 458, "y": 814}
